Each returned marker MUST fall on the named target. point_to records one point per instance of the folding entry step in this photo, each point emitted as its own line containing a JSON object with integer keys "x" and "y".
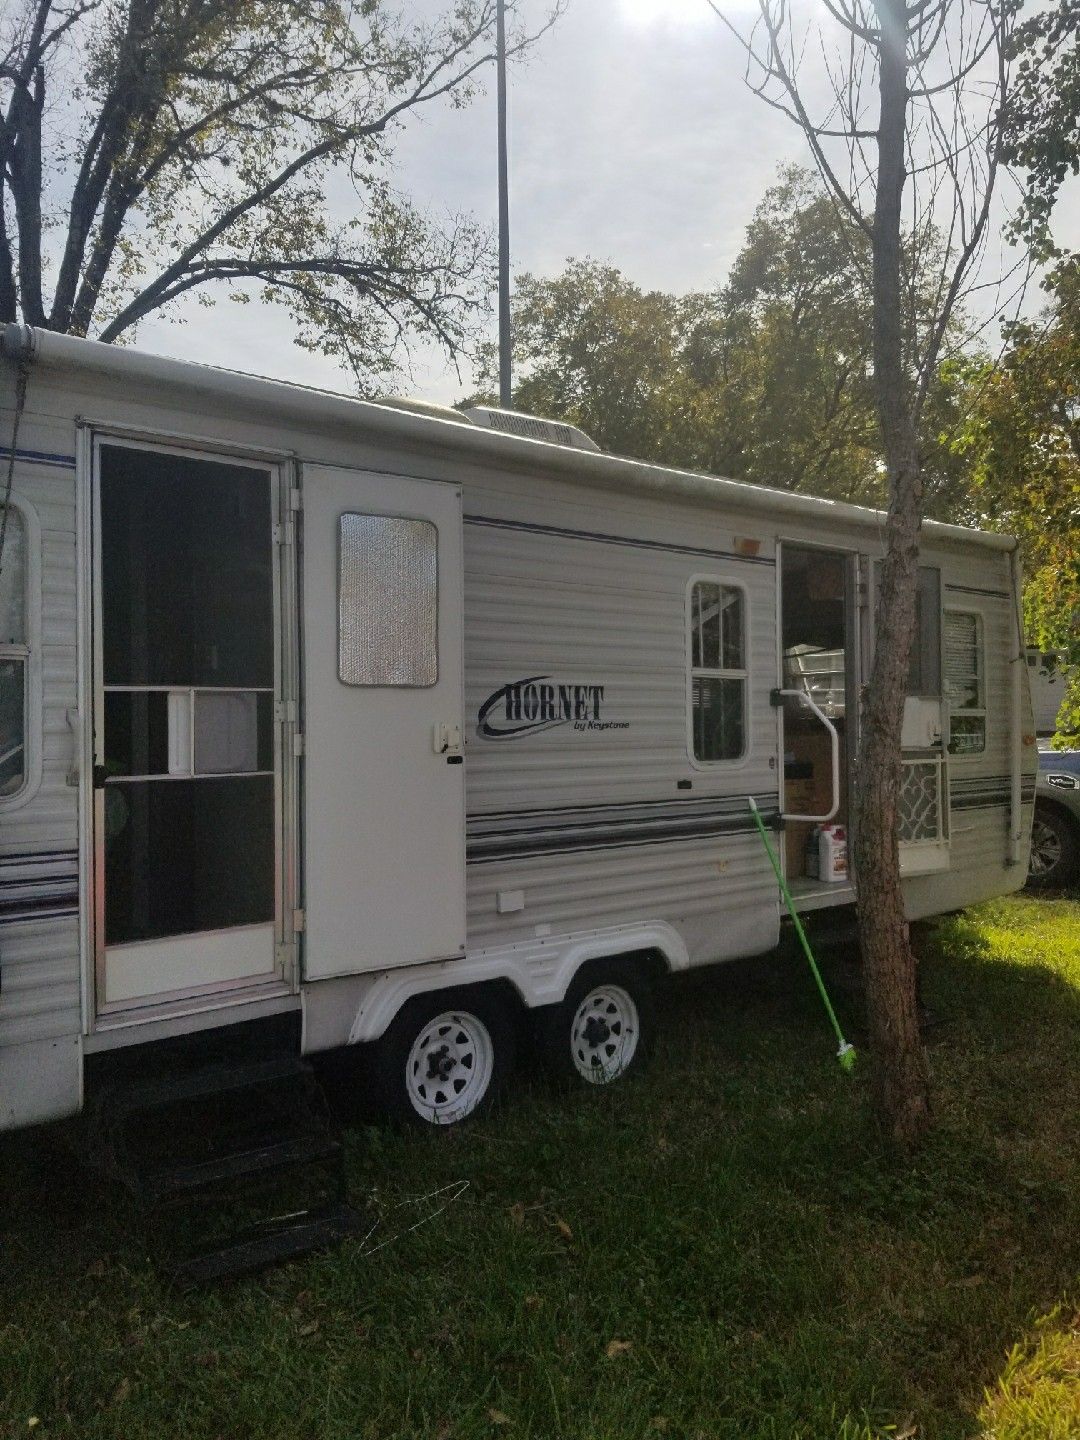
{"x": 237, "y": 1164}
{"x": 179, "y": 1180}
{"x": 291, "y": 1240}
{"x": 156, "y": 1092}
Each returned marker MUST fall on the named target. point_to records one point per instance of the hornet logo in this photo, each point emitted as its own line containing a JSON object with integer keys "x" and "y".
{"x": 537, "y": 703}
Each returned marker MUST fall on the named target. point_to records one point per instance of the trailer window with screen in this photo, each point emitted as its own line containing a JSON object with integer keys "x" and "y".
{"x": 388, "y": 601}
{"x": 965, "y": 682}
{"x": 717, "y": 670}
{"x": 14, "y": 655}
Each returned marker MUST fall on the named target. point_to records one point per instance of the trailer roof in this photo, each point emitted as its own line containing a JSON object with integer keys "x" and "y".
{"x": 314, "y": 407}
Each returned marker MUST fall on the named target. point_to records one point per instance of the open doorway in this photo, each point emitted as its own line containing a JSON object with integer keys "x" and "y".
{"x": 186, "y": 753}
{"x": 817, "y": 601}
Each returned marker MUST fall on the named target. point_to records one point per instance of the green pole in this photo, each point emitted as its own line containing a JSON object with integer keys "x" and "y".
{"x": 846, "y": 1053}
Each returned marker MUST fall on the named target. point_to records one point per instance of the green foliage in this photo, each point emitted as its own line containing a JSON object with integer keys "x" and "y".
{"x": 1022, "y": 440}
{"x": 1042, "y": 119}
{"x": 765, "y": 379}
{"x": 594, "y": 349}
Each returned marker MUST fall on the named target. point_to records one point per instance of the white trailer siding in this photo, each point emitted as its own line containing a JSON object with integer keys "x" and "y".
{"x": 599, "y": 826}
{"x": 40, "y": 975}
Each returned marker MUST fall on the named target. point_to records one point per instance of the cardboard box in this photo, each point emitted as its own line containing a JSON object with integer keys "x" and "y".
{"x": 808, "y": 790}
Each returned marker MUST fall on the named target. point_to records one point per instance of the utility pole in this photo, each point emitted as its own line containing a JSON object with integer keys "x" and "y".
{"x": 504, "y": 212}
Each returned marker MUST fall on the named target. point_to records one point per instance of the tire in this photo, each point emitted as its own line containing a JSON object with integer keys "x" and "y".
{"x": 1055, "y": 850}
{"x": 603, "y": 1030}
{"x": 443, "y": 1059}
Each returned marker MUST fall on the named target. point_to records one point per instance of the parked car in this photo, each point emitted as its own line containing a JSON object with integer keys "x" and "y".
{"x": 1055, "y": 830}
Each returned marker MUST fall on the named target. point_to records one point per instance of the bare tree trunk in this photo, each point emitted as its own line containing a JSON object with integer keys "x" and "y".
{"x": 901, "y": 1074}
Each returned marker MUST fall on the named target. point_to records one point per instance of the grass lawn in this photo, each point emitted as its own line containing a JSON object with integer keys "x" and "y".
{"x": 718, "y": 1250}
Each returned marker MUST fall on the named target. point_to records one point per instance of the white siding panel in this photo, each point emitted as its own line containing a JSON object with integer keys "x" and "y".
{"x": 599, "y": 611}
{"x": 39, "y": 937}
{"x": 583, "y": 611}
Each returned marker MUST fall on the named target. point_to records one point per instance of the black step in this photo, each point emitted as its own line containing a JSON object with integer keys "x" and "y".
{"x": 313, "y": 1230}
{"x": 186, "y": 1179}
{"x": 155, "y": 1092}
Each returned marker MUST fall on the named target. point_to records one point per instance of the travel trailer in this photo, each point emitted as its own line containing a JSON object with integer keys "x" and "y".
{"x": 397, "y": 728}
{"x": 1049, "y": 674}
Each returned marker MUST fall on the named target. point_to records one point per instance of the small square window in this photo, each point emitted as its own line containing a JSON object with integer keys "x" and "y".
{"x": 227, "y": 732}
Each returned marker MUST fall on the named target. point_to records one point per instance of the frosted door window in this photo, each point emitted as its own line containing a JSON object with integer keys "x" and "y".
{"x": 388, "y": 601}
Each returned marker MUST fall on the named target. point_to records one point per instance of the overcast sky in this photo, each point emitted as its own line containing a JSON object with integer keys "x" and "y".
{"x": 632, "y": 139}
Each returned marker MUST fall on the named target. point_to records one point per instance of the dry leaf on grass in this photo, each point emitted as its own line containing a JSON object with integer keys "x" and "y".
{"x": 563, "y": 1228}
{"x": 122, "y": 1391}
{"x": 618, "y": 1347}
{"x": 498, "y": 1417}
{"x": 517, "y": 1214}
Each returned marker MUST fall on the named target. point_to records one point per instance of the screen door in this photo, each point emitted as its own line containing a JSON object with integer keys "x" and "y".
{"x": 185, "y": 736}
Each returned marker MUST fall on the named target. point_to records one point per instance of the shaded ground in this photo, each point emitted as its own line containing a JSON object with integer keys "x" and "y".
{"x": 718, "y": 1250}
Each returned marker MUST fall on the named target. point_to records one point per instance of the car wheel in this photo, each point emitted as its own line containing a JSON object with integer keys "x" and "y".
{"x": 1054, "y": 850}
{"x": 444, "y": 1058}
{"x": 603, "y": 1030}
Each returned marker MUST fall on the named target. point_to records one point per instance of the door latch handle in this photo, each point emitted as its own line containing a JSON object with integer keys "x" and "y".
{"x": 446, "y": 739}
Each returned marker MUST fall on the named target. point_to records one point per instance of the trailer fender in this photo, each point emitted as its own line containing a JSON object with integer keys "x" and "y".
{"x": 540, "y": 971}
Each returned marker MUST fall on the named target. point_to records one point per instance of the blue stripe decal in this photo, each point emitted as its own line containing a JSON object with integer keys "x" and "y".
{"x": 39, "y": 885}
{"x": 43, "y": 457}
{"x": 603, "y": 827}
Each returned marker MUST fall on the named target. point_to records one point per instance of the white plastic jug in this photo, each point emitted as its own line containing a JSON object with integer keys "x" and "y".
{"x": 832, "y": 854}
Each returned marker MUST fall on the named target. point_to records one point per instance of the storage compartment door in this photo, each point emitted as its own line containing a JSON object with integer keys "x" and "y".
{"x": 384, "y": 778}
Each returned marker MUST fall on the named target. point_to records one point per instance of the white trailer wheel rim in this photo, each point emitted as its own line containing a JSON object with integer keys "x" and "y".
{"x": 604, "y": 1034}
{"x": 1045, "y": 848}
{"x": 449, "y": 1067}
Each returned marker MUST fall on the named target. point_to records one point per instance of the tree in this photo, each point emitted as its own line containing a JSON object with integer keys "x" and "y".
{"x": 1042, "y": 124}
{"x": 909, "y": 145}
{"x": 593, "y": 348}
{"x": 150, "y": 148}
{"x": 767, "y": 378}
{"x": 782, "y": 354}
{"x": 1022, "y": 438}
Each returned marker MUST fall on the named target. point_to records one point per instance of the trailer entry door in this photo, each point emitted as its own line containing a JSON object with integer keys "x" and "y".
{"x": 186, "y": 747}
{"x": 384, "y": 787}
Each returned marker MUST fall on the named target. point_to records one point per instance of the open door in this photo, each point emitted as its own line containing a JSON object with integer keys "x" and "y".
{"x": 186, "y": 748}
{"x": 818, "y": 708}
{"x": 384, "y": 782}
